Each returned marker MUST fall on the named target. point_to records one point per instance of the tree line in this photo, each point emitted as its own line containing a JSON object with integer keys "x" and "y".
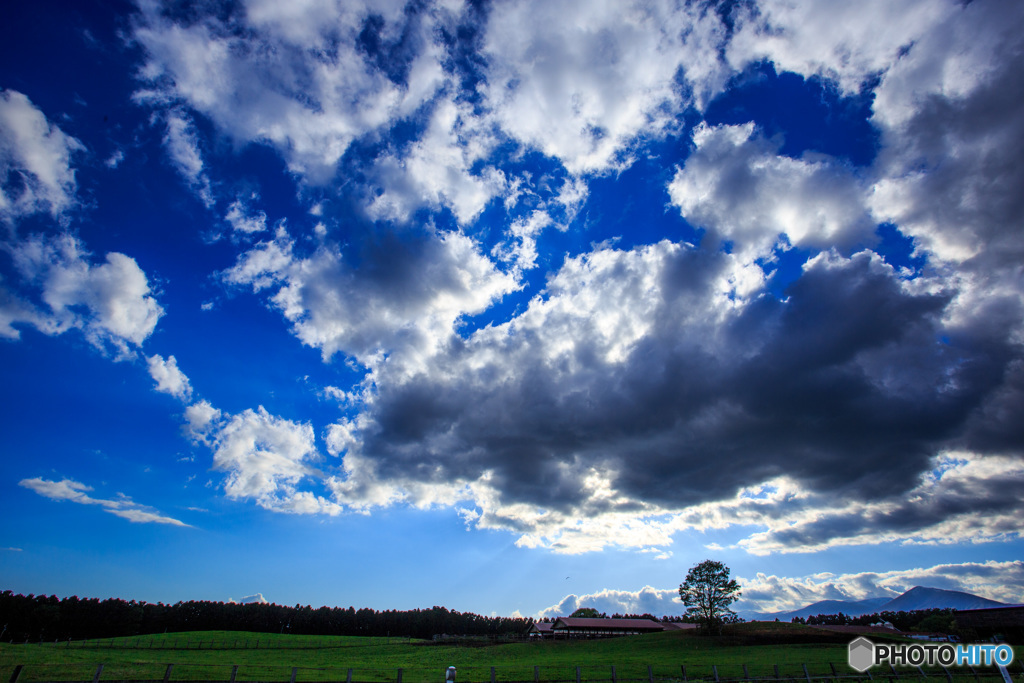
{"x": 38, "y": 618}
{"x": 941, "y": 620}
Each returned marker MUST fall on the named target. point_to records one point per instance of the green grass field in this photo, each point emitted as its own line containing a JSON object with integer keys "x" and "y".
{"x": 211, "y": 656}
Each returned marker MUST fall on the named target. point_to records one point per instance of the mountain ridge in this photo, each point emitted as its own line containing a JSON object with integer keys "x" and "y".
{"x": 917, "y": 598}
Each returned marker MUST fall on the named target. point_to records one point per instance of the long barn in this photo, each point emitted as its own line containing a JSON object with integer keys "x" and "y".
{"x": 579, "y": 627}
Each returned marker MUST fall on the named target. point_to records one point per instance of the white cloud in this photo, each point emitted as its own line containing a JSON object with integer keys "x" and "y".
{"x": 110, "y": 302}
{"x": 200, "y": 419}
{"x": 964, "y": 498}
{"x": 523, "y": 233}
{"x": 169, "y": 379}
{"x": 1002, "y": 581}
{"x": 405, "y": 304}
{"x": 845, "y": 43}
{"x": 265, "y": 457}
{"x": 115, "y": 159}
{"x": 736, "y": 185}
{"x": 580, "y": 80}
{"x": 76, "y": 492}
{"x": 243, "y": 220}
{"x": 294, "y": 78}
{"x": 183, "y": 146}
{"x": 648, "y": 600}
{"x": 951, "y": 115}
{"x": 436, "y": 169}
{"x": 35, "y": 160}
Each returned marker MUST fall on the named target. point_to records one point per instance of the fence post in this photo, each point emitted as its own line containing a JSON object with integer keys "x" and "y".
{"x": 399, "y": 675}
{"x": 536, "y": 674}
{"x": 615, "y": 678}
{"x": 650, "y": 674}
{"x": 577, "y": 674}
{"x": 167, "y": 674}
{"x": 683, "y": 667}
{"x": 99, "y": 670}
{"x": 493, "y": 677}
{"x": 835, "y": 674}
{"x": 806, "y": 674}
{"x": 714, "y": 670}
{"x": 746, "y": 674}
{"x": 348, "y": 678}
{"x": 234, "y": 672}
{"x": 295, "y": 672}
{"x": 949, "y": 676}
{"x": 17, "y": 672}
{"x": 777, "y": 676}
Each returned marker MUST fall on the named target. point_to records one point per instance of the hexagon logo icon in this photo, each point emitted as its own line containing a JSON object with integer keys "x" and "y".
{"x": 861, "y": 655}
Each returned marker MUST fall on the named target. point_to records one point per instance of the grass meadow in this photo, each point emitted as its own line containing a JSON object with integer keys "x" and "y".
{"x": 746, "y": 651}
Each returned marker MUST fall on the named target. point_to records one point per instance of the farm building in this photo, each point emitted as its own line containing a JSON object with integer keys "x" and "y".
{"x": 541, "y": 629}
{"x": 1007, "y": 622}
{"x": 577, "y": 627}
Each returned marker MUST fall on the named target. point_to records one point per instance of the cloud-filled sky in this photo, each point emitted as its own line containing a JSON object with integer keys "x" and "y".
{"x": 511, "y": 306}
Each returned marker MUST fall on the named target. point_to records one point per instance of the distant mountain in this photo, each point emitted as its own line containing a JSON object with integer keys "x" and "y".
{"x": 851, "y": 608}
{"x": 918, "y": 597}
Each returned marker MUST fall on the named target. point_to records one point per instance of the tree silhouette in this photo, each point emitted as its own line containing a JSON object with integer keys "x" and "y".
{"x": 707, "y": 593}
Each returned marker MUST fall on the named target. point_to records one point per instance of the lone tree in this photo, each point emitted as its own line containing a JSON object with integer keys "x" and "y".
{"x": 707, "y": 593}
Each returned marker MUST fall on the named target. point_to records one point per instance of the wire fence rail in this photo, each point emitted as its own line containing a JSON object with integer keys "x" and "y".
{"x": 149, "y": 672}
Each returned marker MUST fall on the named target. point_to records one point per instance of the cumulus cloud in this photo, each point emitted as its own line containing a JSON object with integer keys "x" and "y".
{"x": 580, "y": 80}
{"x": 1001, "y": 581}
{"x": 294, "y": 78}
{"x": 767, "y": 593}
{"x": 35, "y": 160}
{"x": 405, "y": 300}
{"x": 243, "y": 220}
{"x": 436, "y": 169}
{"x": 639, "y": 372}
{"x": 76, "y": 492}
{"x": 737, "y": 186}
{"x": 654, "y": 601}
{"x": 265, "y": 457}
{"x": 847, "y": 45}
{"x": 169, "y": 379}
{"x": 111, "y": 302}
{"x": 950, "y": 112}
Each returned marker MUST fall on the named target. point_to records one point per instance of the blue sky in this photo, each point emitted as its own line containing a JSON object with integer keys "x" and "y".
{"x": 511, "y": 307}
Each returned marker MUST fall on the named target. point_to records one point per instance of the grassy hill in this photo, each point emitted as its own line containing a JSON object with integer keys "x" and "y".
{"x": 210, "y": 656}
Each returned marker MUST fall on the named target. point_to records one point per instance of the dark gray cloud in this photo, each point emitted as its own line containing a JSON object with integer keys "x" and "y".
{"x": 819, "y": 388}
